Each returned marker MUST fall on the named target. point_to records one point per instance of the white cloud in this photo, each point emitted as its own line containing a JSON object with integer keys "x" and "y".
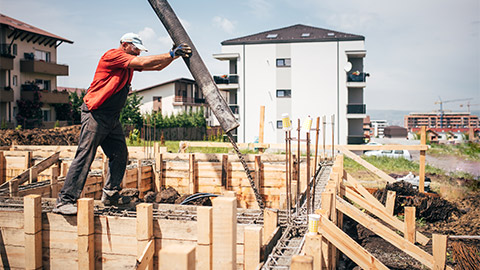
{"x": 147, "y": 34}
{"x": 224, "y": 24}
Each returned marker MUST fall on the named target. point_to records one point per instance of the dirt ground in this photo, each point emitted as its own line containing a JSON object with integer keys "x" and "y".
{"x": 57, "y": 136}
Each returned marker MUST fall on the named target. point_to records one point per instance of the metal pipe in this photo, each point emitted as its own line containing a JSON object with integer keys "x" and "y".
{"x": 298, "y": 166}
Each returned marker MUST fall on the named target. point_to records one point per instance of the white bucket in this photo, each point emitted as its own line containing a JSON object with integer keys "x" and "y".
{"x": 313, "y": 220}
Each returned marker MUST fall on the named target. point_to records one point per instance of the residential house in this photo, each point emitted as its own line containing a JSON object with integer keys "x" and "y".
{"x": 28, "y": 62}
{"x": 446, "y": 121}
{"x": 378, "y": 127}
{"x": 171, "y": 97}
{"x": 300, "y": 70}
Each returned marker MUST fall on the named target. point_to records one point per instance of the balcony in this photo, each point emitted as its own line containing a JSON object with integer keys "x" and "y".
{"x": 36, "y": 66}
{"x": 226, "y": 82}
{"x": 54, "y": 97}
{"x": 6, "y": 57}
{"x": 355, "y": 139}
{"x": 6, "y": 95}
{"x": 179, "y": 100}
{"x": 356, "y": 109}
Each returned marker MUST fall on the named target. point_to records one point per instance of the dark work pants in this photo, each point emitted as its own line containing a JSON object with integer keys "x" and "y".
{"x": 103, "y": 130}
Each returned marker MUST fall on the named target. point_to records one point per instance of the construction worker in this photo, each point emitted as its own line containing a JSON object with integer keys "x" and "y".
{"x": 101, "y": 126}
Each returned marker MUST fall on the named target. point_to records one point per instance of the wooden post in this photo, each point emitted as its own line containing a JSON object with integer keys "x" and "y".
{"x": 225, "y": 172}
{"x": 307, "y": 191}
{"x": 13, "y": 188}
{"x": 299, "y": 158}
{"x": 262, "y": 124}
{"x": 64, "y": 169}
{"x": 333, "y": 136}
{"x": 32, "y": 209}
{"x": 192, "y": 184}
{"x": 104, "y": 168}
{"x": 300, "y": 262}
{"x": 28, "y": 159}
{"x": 327, "y": 247}
{"x": 3, "y": 168}
{"x": 54, "y": 188}
{"x": 317, "y": 132}
{"x": 224, "y": 233}
{"x": 177, "y": 257}
{"x": 324, "y": 125}
{"x": 159, "y": 183}
{"x": 313, "y": 247}
{"x": 409, "y": 232}
{"x": 258, "y": 172}
{"x": 439, "y": 251}
{"x": 204, "y": 237}
{"x": 144, "y": 229}
{"x": 86, "y": 234}
{"x": 33, "y": 175}
{"x": 390, "y": 203}
{"x": 252, "y": 245}
{"x": 287, "y": 176}
{"x": 423, "y": 141}
{"x": 270, "y": 223}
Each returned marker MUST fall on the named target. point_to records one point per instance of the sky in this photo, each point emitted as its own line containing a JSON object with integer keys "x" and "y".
{"x": 417, "y": 51}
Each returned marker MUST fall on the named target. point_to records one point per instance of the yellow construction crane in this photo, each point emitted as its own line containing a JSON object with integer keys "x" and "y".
{"x": 440, "y": 101}
{"x": 468, "y": 105}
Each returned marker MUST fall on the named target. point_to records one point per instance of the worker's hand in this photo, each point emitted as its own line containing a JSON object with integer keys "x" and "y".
{"x": 182, "y": 50}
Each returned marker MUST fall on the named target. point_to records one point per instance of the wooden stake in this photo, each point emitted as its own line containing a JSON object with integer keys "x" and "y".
{"x": 307, "y": 191}
{"x": 144, "y": 229}
{"x": 390, "y": 203}
{"x": 224, "y": 233}
{"x": 33, "y": 174}
{"x": 439, "y": 251}
{"x": 3, "y": 167}
{"x": 177, "y": 257}
{"x": 410, "y": 224}
{"x": 86, "y": 234}
{"x": 423, "y": 141}
{"x": 159, "y": 181}
{"x": 32, "y": 209}
{"x": 54, "y": 188}
{"x": 287, "y": 174}
{"x": 270, "y": 223}
{"x": 13, "y": 188}
{"x": 313, "y": 247}
{"x": 258, "y": 172}
{"x": 300, "y": 262}
{"x": 205, "y": 237}
{"x": 225, "y": 172}
{"x": 28, "y": 159}
{"x": 324, "y": 124}
{"x": 252, "y": 245}
{"x": 333, "y": 136}
{"x": 299, "y": 158}
{"x": 261, "y": 129}
{"x": 193, "y": 185}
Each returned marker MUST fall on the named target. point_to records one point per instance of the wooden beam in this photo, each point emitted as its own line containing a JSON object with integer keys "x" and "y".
{"x": 439, "y": 251}
{"x": 390, "y": 203}
{"x": 13, "y": 188}
{"x": 144, "y": 231}
{"x": 367, "y": 165}
{"x": 193, "y": 181}
{"x": 204, "y": 237}
{"x": 384, "y": 232}
{"x": 139, "y": 175}
{"x": 362, "y": 147}
{"x": 313, "y": 247}
{"x": 224, "y": 233}
{"x": 301, "y": 262}
{"x": 423, "y": 141}
{"x": 410, "y": 228}
{"x": 146, "y": 257}
{"x": 3, "y": 168}
{"x": 33, "y": 175}
{"x": 177, "y": 257}
{"x": 86, "y": 234}
{"x": 224, "y": 176}
{"x": 258, "y": 172}
{"x": 28, "y": 159}
{"x": 348, "y": 246}
{"x": 381, "y": 213}
{"x": 270, "y": 222}
{"x": 252, "y": 245}
{"x": 32, "y": 209}
{"x": 159, "y": 181}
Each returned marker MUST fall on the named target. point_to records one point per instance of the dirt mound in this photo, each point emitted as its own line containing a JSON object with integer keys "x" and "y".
{"x": 57, "y": 136}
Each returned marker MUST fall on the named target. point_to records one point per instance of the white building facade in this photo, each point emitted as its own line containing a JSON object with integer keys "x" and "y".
{"x": 299, "y": 70}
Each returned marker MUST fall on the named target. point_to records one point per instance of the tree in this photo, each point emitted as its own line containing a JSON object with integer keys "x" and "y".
{"x": 30, "y": 111}
{"x": 130, "y": 114}
{"x": 76, "y": 102}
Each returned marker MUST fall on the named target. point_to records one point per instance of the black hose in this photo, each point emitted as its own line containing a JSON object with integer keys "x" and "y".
{"x": 197, "y": 196}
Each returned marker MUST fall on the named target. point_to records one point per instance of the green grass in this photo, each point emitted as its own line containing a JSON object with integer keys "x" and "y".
{"x": 173, "y": 146}
{"x": 468, "y": 150}
{"x": 389, "y": 165}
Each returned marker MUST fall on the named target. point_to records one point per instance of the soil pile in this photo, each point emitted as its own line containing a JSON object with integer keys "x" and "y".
{"x": 57, "y": 136}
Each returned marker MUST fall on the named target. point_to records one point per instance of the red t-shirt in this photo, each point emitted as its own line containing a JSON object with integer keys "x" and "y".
{"x": 111, "y": 75}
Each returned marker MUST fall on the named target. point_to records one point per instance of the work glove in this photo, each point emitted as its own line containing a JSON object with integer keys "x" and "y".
{"x": 182, "y": 50}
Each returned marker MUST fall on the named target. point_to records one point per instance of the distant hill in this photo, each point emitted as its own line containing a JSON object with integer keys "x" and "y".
{"x": 395, "y": 117}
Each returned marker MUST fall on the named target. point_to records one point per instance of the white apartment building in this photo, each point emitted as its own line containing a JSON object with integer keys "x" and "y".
{"x": 28, "y": 64}
{"x": 171, "y": 97}
{"x": 299, "y": 70}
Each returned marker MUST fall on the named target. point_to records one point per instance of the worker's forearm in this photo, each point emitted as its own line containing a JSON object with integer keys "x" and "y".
{"x": 153, "y": 62}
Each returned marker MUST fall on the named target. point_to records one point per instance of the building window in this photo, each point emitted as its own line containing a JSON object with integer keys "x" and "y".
{"x": 14, "y": 80}
{"x": 14, "y": 49}
{"x": 279, "y": 124}
{"x": 43, "y": 84}
{"x": 284, "y": 93}
{"x": 284, "y": 62}
{"x": 42, "y": 56}
{"x": 46, "y": 115}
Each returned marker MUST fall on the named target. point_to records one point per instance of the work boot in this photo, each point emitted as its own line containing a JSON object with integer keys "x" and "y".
{"x": 115, "y": 200}
{"x": 65, "y": 209}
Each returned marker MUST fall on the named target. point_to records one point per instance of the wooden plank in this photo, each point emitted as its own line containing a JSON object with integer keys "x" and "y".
{"x": 252, "y": 247}
{"x": 144, "y": 228}
{"x": 439, "y": 251}
{"x": 146, "y": 257}
{"x": 301, "y": 262}
{"x": 410, "y": 228}
{"x": 313, "y": 247}
{"x": 177, "y": 257}
{"x": 204, "y": 225}
{"x": 33, "y": 251}
{"x": 32, "y": 206}
{"x": 367, "y": 165}
{"x": 193, "y": 183}
{"x": 159, "y": 183}
{"x": 258, "y": 172}
{"x": 384, "y": 232}
{"x": 270, "y": 222}
{"x": 224, "y": 233}
{"x": 348, "y": 246}
{"x": 390, "y": 203}
{"x": 361, "y": 147}
{"x": 204, "y": 257}
{"x": 381, "y": 213}
{"x": 224, "y": 168}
